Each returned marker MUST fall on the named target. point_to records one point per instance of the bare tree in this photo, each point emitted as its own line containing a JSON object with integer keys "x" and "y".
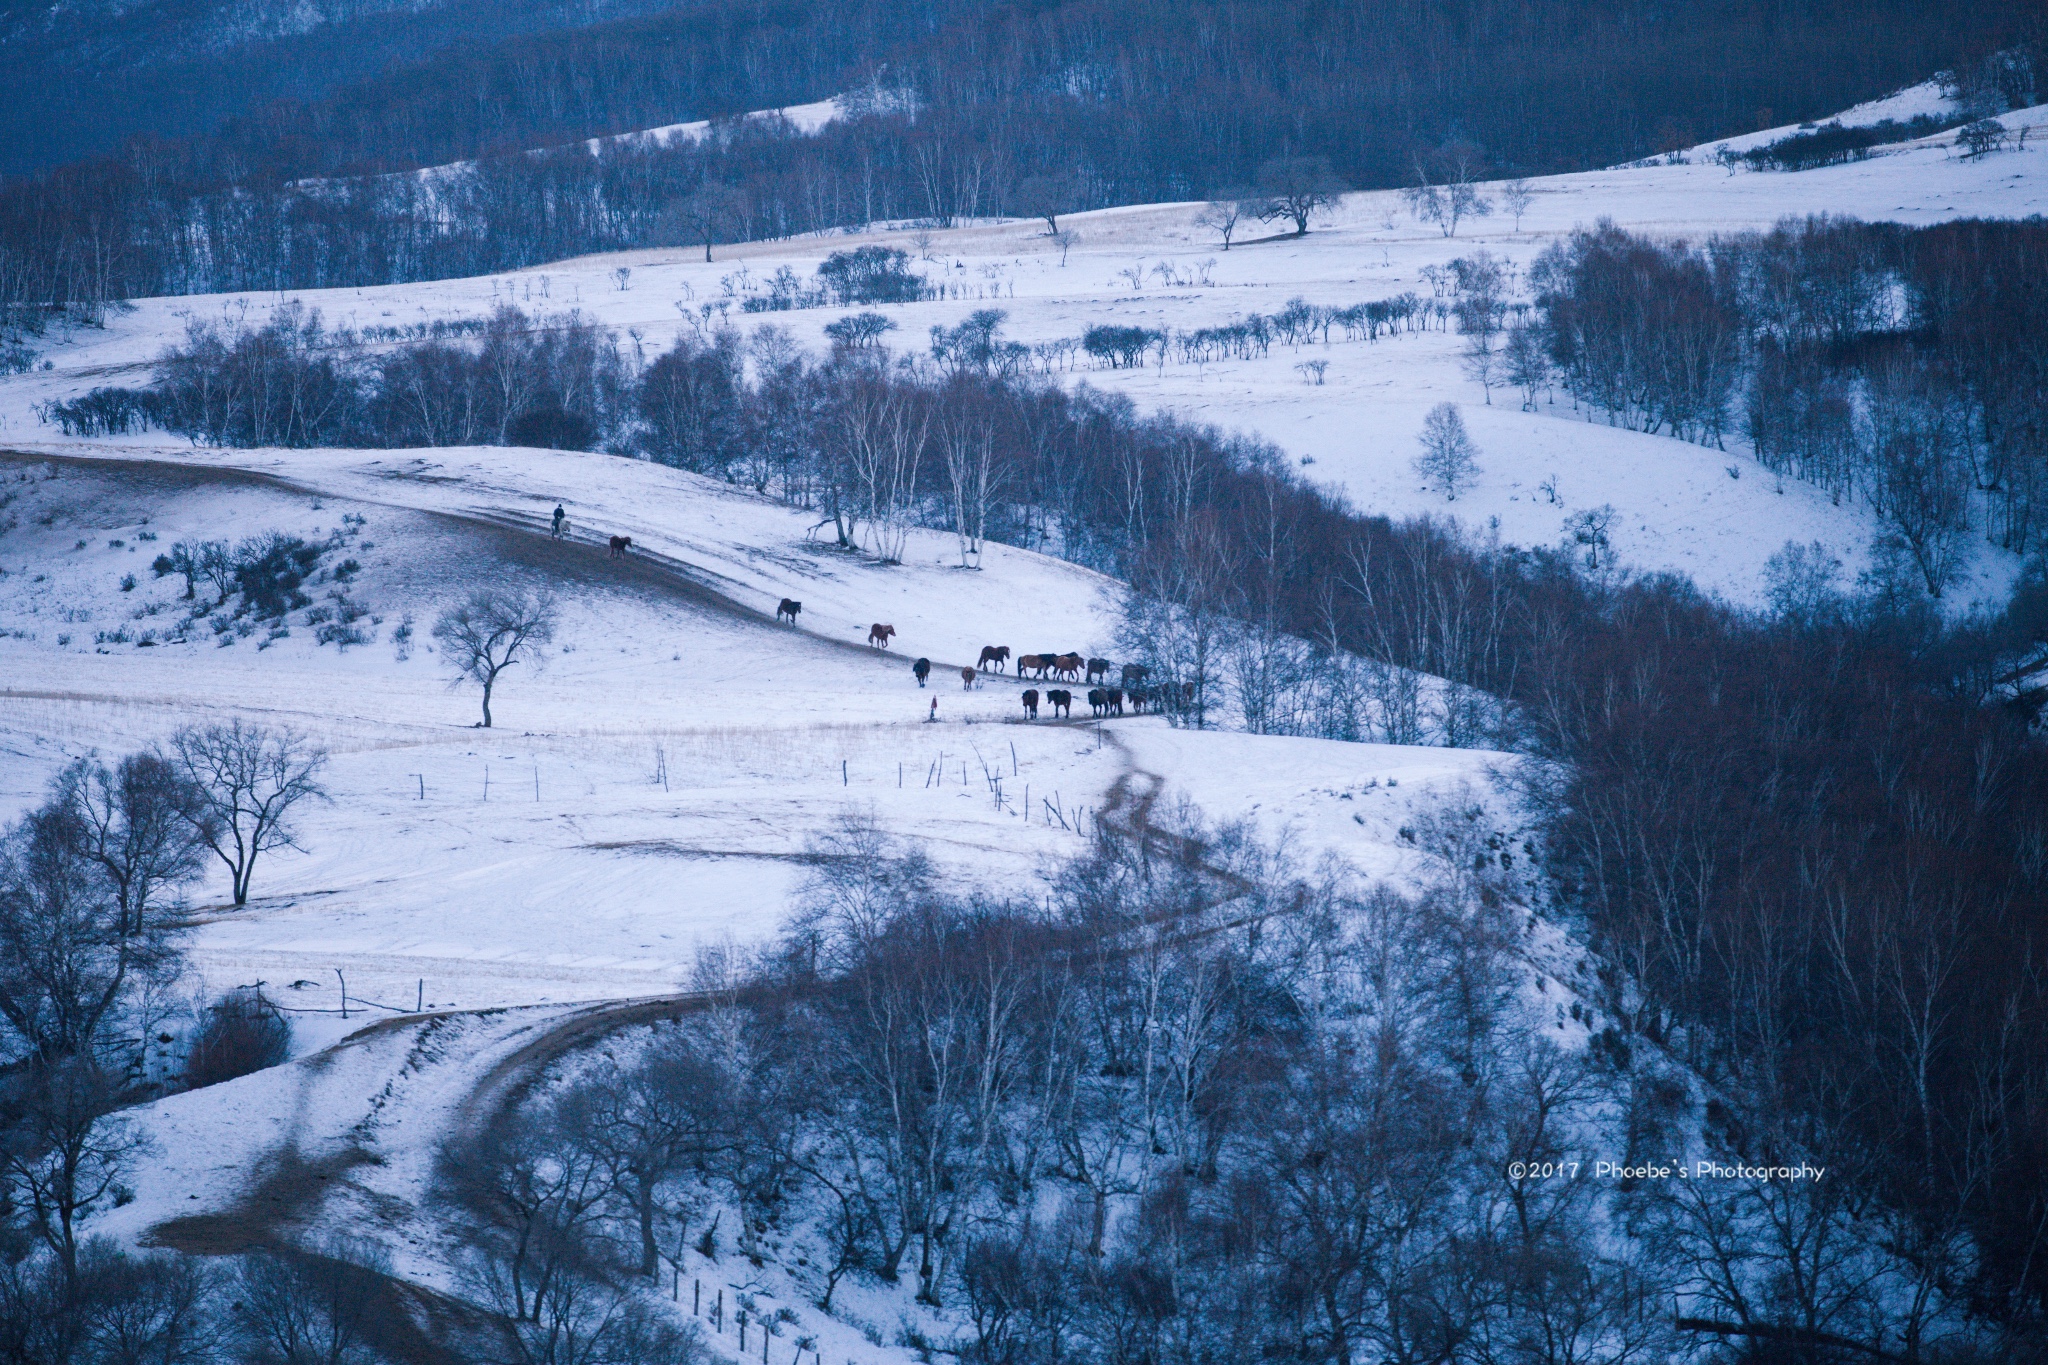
{"x": 64, "y": 1156}
{"x": 128, "y": 819}
{"x": 216, "y": 564}
{"x": 187, "y": 559}
{"x": 1525, "y": 363}
{"x": 1046, "y": 197}
{"x": 701, "y": 217}
{"x": 156, "y": 1309}
{"x": 859, "y": 331}
{"x": 1065, "y": 239}
{"x": 884, "y": 442}
{"x": 242, "y": 783}
{"x": 1448, "y": 458}
{"x": 493, "y": 629}
{"x": 1226, "y": 214}
{"x": 968, "y": 440}
{"x": 1914, "y": 472}
{"x": 1445, "y": 191}
{"x": 70, "y": 962}
{"x": 1446, "y": 205}
{"x": 1483, "y": 361}
{"x": 1516, "y": 196}
{"x": 311, "y": 1307}
{"x": 1175, "y": 618}
{"x": 1297, "y": 188}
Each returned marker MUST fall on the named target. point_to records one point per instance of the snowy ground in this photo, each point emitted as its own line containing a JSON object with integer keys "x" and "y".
{"x": 482, "y": 931}
{"x": 489, "y": 897}
{"x": 649, "y": 790}
{"x": 545, "y": 859}
{"x": 1711, "y": 513}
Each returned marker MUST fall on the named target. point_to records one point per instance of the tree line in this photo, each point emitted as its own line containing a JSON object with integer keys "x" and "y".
{"x": 1807, "y": 842}
{"x": 952, "y": 114}
{"x": 1199, "y": 1101}
{"x": 1904, "y": 366}
{"x": 92, "y": 888}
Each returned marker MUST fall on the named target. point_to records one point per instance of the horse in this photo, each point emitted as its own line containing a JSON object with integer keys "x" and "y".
{"x": 789, "y": 608}
{"x": 1068, "y": 666}
{"x": 993, "y": 654}
{"x": 1060, "y": 700}
{"x": 1098, "y": 701}
{"x": 878, "y": 635}
{"x": 619, "y": 546}
{"x": 1116, "y": 700}
{"x": 966, "y": 678}
{"x": 1098, "y": 670}
{"x": 923, "y": 669}
{"x": 1031, "y": 703}
{"x": 1030, "y": 662}
{"x": 1134, "y": 674}
{"x": 1138, "y": 696}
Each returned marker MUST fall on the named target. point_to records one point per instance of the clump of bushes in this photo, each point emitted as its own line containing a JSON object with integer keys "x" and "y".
{"x": 871, "y": 274}
{"x": 105, "y": 411}
{"x": 242, "y": 1033}
{"x": 1121, "y": 348}
{"x": 270, "y": 573}
{"x": 1833, "y": 143}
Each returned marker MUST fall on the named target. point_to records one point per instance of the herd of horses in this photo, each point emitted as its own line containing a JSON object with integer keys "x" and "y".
{"x": 1102, "y": 701}
{"x": 1047, "y": 666}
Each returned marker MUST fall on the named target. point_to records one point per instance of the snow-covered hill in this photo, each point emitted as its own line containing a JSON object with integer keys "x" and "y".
{"x": 1708, "y": 512}
{"x": 481, "y": 900}
{"x": 546, "y": 858}
{"x": 652, "y": 789}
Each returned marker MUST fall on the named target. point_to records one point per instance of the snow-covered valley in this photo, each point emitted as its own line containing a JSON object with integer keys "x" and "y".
{"x": 473, "y": 906}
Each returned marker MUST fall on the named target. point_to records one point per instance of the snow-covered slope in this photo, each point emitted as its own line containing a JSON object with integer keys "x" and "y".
{"x": 546, "y": 858}
{"x": 483, "y": 899}
{"x": 1711, "y": 513}
{"x": 1928, "y": 99}
{"x": 651, "y": 790}
{"x": 804, "y": 118}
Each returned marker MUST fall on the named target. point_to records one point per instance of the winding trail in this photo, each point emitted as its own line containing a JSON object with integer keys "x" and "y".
{"x": 462, "y": 1071}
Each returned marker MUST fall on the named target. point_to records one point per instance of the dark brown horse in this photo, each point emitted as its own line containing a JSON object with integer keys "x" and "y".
{"x": 619, "y": 545}
{"x": 1031, "y": 703}
{"x": 967, "y": 676}
{"x": 1098, "y": 670}
{"x": 923, "y": 669}
{"x": 1060, "y": 700}
{"x": 997, "y": 655}
{"x": 878, "y": 635}
{"x": 789, "y": 608}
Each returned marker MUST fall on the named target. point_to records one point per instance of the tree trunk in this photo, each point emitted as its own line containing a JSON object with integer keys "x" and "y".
{"x": 649, "y": 1254}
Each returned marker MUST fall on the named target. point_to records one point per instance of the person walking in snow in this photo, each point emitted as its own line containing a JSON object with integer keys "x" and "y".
{"x": 560, "y": 517}
{"x": 934, "y": 711}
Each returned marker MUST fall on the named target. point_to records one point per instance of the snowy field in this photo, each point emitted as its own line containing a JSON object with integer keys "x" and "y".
{"x": 482, "y": 896}
{"x": 650, "y": 791}
{"x": 1711, "y": 513}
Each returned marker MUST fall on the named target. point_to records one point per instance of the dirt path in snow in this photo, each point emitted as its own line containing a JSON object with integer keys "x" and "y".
{"x": 422, "y": 1326}
{"x": 287, "y": 1190}
{"x": 580, "y": 557}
